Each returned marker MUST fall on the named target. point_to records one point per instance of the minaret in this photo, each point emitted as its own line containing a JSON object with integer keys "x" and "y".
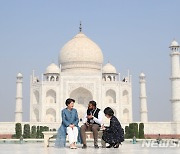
{"x": 143, "y": 98}
{"x": 175, "y": 81}
{"x": 18, "y": 111}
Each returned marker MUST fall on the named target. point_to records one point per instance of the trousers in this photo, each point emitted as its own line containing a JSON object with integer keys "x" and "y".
{"x": 72, "y": 134}
{"x": 94, "y": 128}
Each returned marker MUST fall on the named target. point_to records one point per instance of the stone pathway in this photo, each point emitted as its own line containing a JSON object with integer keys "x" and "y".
{"x": 126, "y": 148}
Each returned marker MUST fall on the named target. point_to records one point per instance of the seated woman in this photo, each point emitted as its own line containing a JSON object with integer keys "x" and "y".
{"x": 112, "y": 134}
{"x": 69, "y": 126}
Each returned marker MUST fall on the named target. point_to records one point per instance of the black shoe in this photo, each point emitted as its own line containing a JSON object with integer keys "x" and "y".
{"x": 96, "y": 146}
{"x": 110, "y": 146}
{"x": 84, "y": 146}
{"x": 116, "y": 145}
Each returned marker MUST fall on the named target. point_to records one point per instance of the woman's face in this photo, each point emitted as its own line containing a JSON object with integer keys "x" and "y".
{"x": 107, "y": 116}
{"x": 71, "y": 105}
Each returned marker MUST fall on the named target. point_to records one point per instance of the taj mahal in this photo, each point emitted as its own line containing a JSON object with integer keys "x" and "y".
{"x": 82, "y": 75}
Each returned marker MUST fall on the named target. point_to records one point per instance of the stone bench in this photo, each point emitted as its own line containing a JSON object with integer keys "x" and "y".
{"x": 47, "y": 136}
{"x": 89, "y": 134}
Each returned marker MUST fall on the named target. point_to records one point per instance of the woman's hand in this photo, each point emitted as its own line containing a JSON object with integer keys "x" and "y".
{"x": 71, "y": 125}
{"x": 102, "y": 127}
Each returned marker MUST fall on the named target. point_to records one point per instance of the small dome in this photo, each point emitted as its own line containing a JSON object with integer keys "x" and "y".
{"x": 174, "y": 43}
{"x": 80, "y": 53}
{"x": 19, "y": 75}
{"x": 142, "y": 75}
{"x": 109, "y": 68}
{"x": 52, "y": 68}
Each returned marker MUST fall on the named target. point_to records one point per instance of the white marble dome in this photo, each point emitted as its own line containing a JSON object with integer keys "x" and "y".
{"x": 80, "y": 53}
{"x": 52, "y": 68}
{"x": 174, "y": 43}
{"x": 109, "y": 68}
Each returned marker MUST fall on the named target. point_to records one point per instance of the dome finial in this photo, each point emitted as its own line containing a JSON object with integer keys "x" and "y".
{"x": 174, "y": 43}
{"x": 80, "y": 28}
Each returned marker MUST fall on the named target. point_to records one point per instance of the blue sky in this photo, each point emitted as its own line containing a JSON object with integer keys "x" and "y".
{"x": 133, "y": 34}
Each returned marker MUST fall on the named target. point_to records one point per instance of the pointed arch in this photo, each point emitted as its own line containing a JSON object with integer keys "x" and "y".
{"x": 50, "y": 115}
{"x": 36, "y": 97}
{"x": 109, "y": 78}
{"x": 36, "y": 115}
{"x": 82, "y": 97}
{"x": 51, "y": 96}
{"x": 125, "y": 96}
{"x": 110, "y": 96}
{"x": 52, "y": 78}
{"x": 126, "y": 115}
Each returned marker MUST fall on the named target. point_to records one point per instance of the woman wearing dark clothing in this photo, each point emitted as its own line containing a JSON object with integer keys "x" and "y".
{"x": 112, "y": 134}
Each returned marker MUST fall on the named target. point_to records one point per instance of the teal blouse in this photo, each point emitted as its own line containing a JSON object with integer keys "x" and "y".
{"x": 69, "y": 117}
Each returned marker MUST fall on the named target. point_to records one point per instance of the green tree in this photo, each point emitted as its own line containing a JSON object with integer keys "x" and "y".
{"x": 13, "y": 136}
{"x": 26, "y": 132}
{"x": 127, "y": 132}
{"x": 38, "y": 132}
{"x": 46, "y": 128}
{"x": 54, "y": 129}
{"x": 33, "y": 132}
{"x": 18, "y": 130}
{"x": 133, "y": 130}
{"x": 141, "y": 130}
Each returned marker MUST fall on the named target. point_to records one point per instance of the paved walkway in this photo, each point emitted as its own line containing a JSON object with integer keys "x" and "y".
{"x": 126, "y": 148}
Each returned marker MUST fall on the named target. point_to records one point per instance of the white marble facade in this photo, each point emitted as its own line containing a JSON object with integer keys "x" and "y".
{"x": 82, "y": 76}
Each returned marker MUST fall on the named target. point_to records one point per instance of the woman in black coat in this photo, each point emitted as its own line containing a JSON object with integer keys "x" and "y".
{"x": 113, "y": 133}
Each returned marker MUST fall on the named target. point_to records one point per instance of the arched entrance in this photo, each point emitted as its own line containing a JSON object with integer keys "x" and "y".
{"x": 51, "y": 115}
{"x": 126, "y": 115}
{"x": 110, "y": 96}
{"x": 82, "y": 97}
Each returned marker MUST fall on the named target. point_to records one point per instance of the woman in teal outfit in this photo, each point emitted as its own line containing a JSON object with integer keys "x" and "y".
{"x": 68, "y": 126}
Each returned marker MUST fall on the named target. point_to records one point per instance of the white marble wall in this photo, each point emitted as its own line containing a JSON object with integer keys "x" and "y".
{"x": 88, "y": 82}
